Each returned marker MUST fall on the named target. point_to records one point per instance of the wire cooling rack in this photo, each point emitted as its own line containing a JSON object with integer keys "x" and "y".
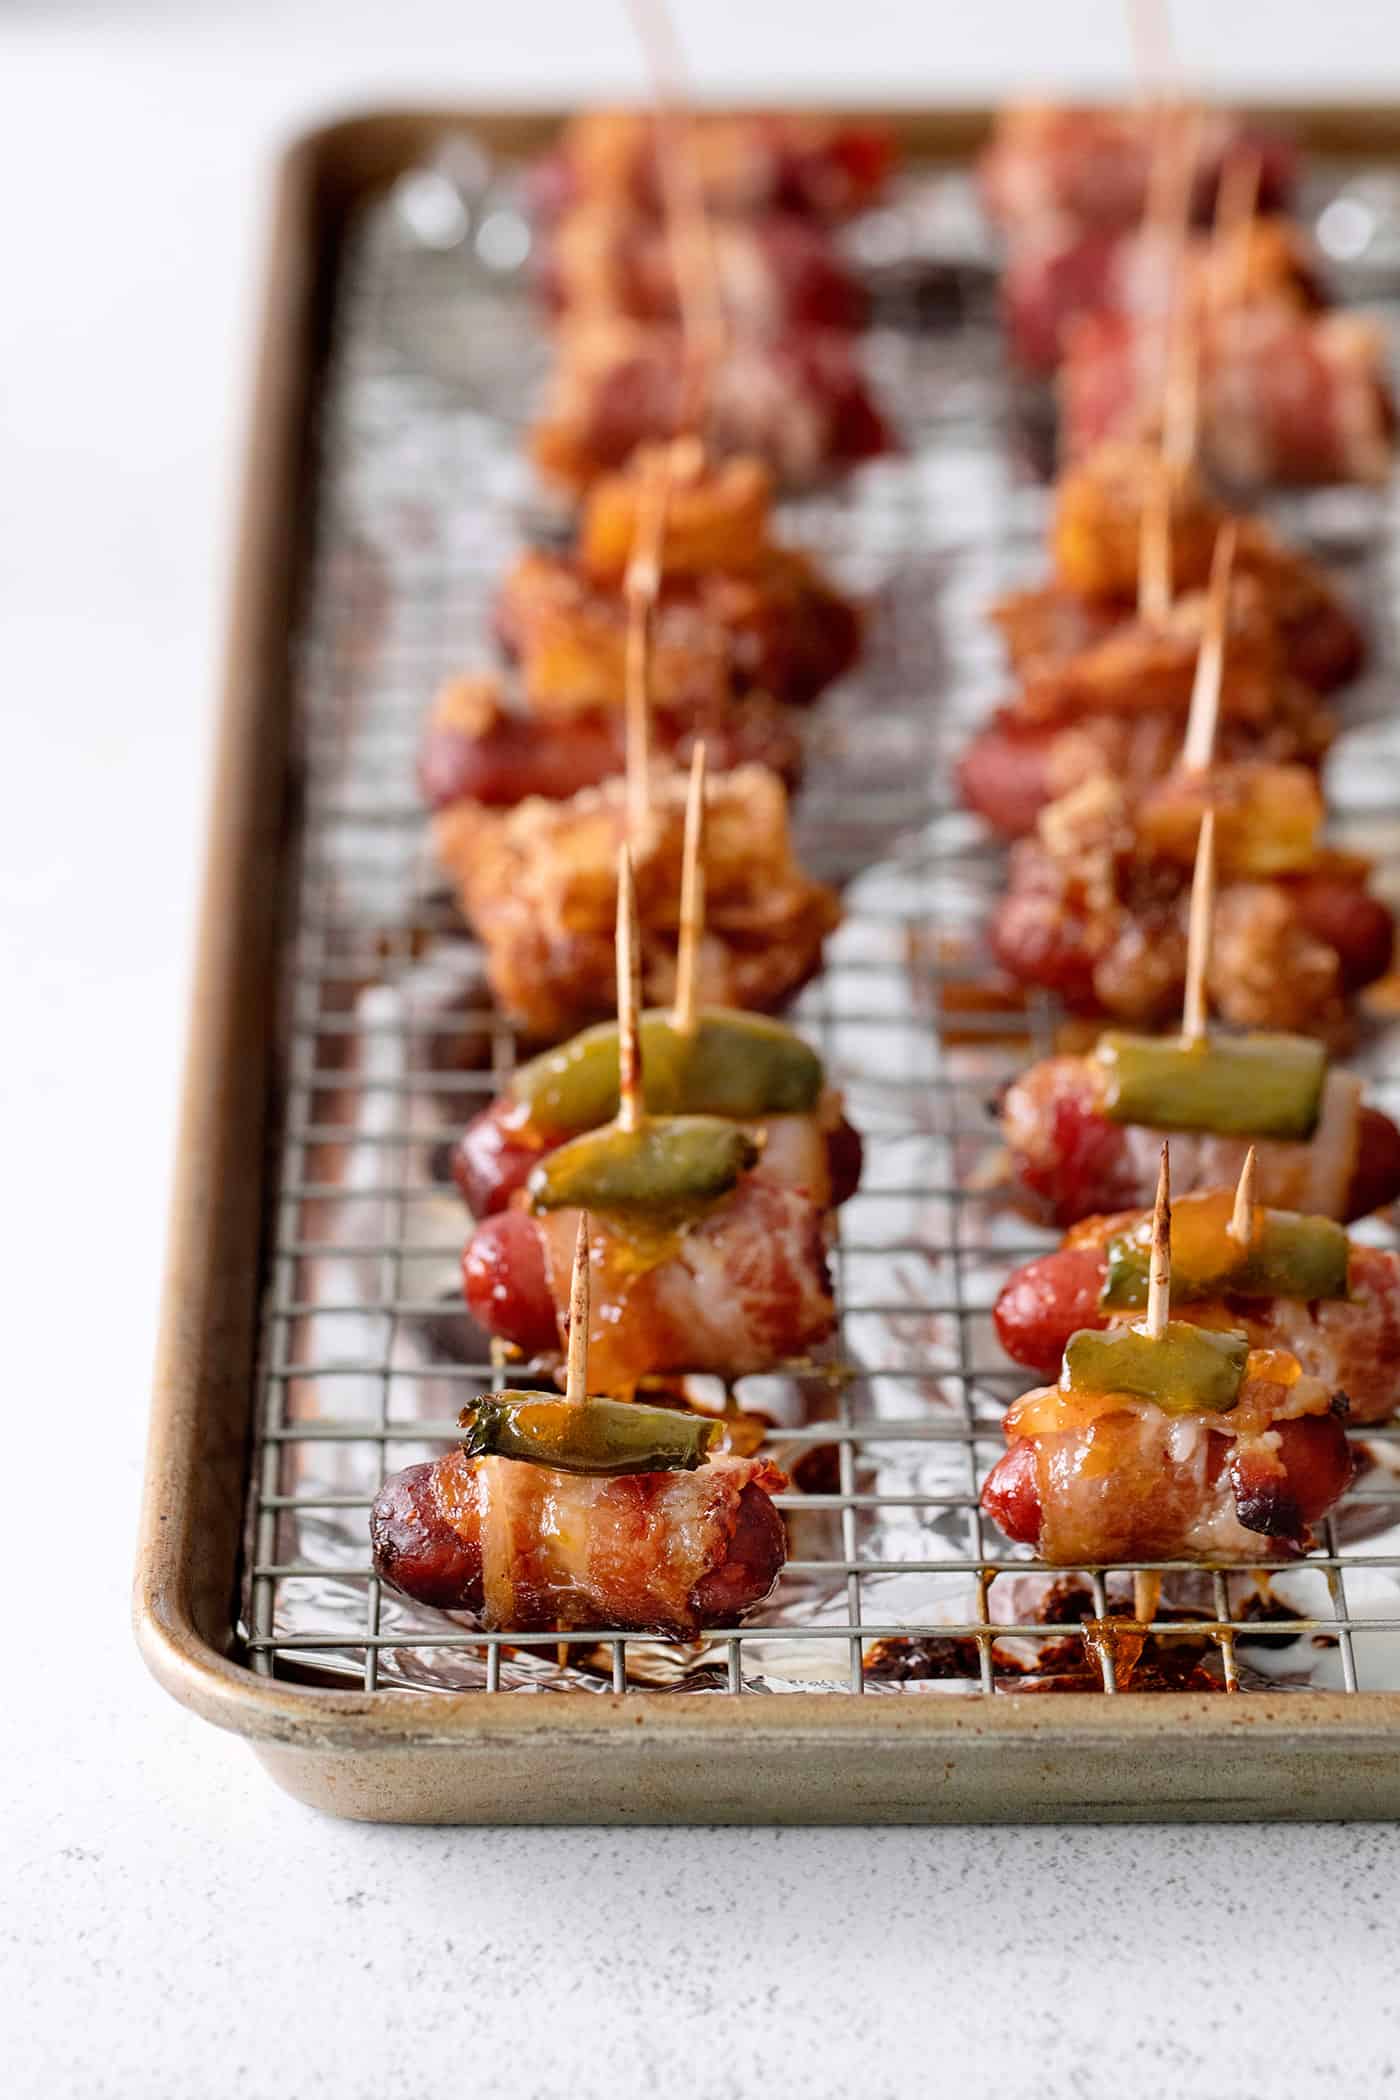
{"x": 391, "y": 1044}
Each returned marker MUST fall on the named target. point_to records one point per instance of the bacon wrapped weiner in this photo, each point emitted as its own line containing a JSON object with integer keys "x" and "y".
{"x": 738, "y": 1285}
{"x": 1076, "y": 1151}
{"x": 1117, "y": 709}
{"x": 529, "y": 1549}
{"x": 1143, "y": 667}
{"x": 1285, "y": 398}
{"x": 1095, "y": 1477}
{"x": 742, "y": 625}
{"x": 757, "y": 161}
{"x": 737, "y": 1065}
{"x": 1095, "y": 544}
{"x": 539, "y": 885}
{"x": 1057, "y": 273}
{"x": 1164, "y": 1439}
{"x": 565, "y": 1512}
{"x": 779, "y": 629}
{"x": 737, "y": 610}
{"x": 801, "y": 402}
{"x": 1090, "y": 165}
{"x": 478, "y": 748}
{"x": 1015, "y": 767}
{"x": 1335, "y": 1304}
{"x": 1096, "y": 909}
{"x": 776, "y": 273}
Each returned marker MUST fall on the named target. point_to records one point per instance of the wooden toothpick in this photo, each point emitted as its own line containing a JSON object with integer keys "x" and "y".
{"x": 630, "y": 1099}
{"x": 1181, "y": 346}
{"x": 1181, "y": 396}
{"x": 576, "y": 1380}
{"x": 637, "y": 724}
{"x": 1241, "y": 1226}
{"x": 1236, "y": 202}
{"x": 1162, "y": 206}
{"x": 1155, "y": 547}
{"x": 1199, "y": 746}
{"x": 1147, "y": 1594}
{"x": 1159, "y": 1275}
{"x": 689, "y": 232}
{"x": 1198, "y": 933}
{"x": 1154, "y": 64}
{"x": 1171, "y": 358}
{"x": 641, "y": 586}
{"x": 692, "y": 919}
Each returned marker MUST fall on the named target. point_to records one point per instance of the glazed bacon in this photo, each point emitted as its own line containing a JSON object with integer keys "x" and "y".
{"x": 739, "y": 1288}
{"x": 1057, "y": 273}
{"x": 526, "y": 1549}
{"x": 800, "y": 402}
{"x": 1095, "y": 539}
{"x": 1072, "y": 1161}
{"x": 478, "y": 748}
{"x": 1091, "y": 166}
{"x": 824, "y": 169}
{"x": 776, "y": 273}
{"x": 737, "y": 612}
{"x": 1285, "y": 397}
{"x": 1044, "y": 626}
{"x": 1096, "y": 523}
{"x": 719, "y": 515}
{"x": 743, "y": 626}
{"x": 1143, "y": 667}
{"x": 1351, "y": 1344}
{"x": 1015, "y": 768}
{"x": 1096, "y": 907}
{"x": 1118, "y": 708}
{"x": 1089, "y": 1479}
{"x": 780, "y": 629}
{"x": 539, "y": 885}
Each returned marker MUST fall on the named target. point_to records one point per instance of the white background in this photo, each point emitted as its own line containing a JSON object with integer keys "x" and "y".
{"x": 169, "y": 1923}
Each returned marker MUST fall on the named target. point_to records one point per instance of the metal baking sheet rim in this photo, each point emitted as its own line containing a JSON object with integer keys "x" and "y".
{"x": 484, "y": 1757}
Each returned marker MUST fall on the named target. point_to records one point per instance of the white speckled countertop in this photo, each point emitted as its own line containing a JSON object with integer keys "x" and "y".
{"x": 170, "y": 1924}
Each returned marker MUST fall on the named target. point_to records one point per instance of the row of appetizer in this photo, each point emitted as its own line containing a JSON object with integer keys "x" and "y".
{"x": 1109, "y": 218}
{"x": 653, "y": 1194}
{"x": 1180, "y": 679}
